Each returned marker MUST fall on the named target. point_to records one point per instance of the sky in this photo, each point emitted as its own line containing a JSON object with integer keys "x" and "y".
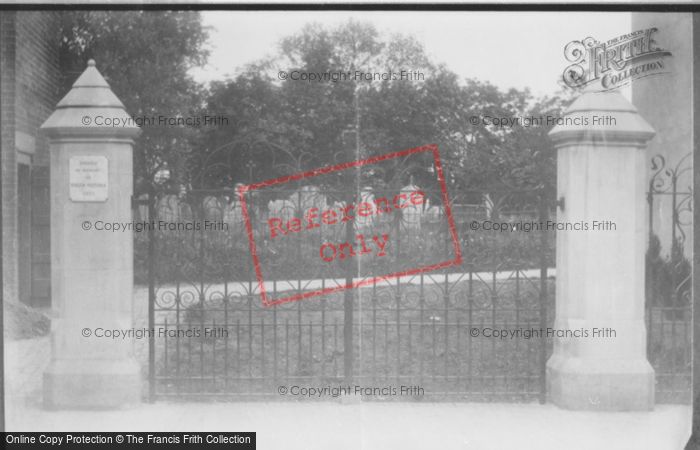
{"x": 508, "y": 49}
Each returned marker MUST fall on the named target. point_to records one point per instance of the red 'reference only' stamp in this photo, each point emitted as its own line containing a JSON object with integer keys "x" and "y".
{"x": 392, "y": 231}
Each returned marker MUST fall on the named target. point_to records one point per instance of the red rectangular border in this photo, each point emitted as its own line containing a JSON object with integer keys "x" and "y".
{"x": 242, "y": 189}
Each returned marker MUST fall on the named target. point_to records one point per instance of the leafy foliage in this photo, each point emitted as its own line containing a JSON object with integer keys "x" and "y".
{"x": 145, "y": 56}
{"x": 287, "y": 126}
{"x": 668, "y": 279}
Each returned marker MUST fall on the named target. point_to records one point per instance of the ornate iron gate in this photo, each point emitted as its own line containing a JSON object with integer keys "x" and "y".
{"x": 669, "y": 271}
{"x": 431, "y": 331}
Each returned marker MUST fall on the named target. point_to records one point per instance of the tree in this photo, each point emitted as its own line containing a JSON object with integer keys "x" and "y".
{"x": 304, "y": 125}
{"x": 145, "y": 56}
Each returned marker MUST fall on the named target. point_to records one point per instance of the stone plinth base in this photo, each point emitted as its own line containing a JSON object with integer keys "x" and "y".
{"x": 601, "y": 384}
{"x": 92, "y": 384}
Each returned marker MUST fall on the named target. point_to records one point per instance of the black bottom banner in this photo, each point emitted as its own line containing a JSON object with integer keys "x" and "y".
{"x": 31, "y": 440}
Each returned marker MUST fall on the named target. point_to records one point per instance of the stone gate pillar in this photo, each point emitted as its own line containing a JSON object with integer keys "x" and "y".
{"x": 601, "y": 183}
{"x": 91, "y": 270}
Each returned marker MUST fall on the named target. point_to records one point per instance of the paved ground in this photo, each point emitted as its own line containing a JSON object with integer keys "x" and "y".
{"x": 365, "y": 426}
{"x": 471, "y": 426}
{"x": 25, "y": 361}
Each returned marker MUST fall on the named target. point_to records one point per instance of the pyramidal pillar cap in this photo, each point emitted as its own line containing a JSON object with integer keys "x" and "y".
{"x": 90, "y": 109}
{"x": 599, "y": 117}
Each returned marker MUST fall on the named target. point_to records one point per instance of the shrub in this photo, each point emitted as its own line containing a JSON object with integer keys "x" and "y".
{"x": 668, "y": 279}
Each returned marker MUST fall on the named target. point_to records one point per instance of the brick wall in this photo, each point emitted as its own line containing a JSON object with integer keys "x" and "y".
{"x": 8, "y": 163}
{"x": 29, "y": 64}
{"x": 38, "y": 75}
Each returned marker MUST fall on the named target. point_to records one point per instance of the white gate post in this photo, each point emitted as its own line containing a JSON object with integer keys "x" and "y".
{"x": 91, "y": 270}
{"x": 601, "y": 182}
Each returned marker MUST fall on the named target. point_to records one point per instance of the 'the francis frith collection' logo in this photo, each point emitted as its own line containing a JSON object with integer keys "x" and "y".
{"x": 616, "y": 62}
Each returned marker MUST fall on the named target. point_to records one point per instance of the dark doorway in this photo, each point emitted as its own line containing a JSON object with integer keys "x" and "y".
{"x": 41, "y": 234}
{"x": 24, "y": 222}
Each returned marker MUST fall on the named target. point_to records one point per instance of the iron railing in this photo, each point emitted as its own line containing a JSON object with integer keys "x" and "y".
{"x": 417, "y": 330}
